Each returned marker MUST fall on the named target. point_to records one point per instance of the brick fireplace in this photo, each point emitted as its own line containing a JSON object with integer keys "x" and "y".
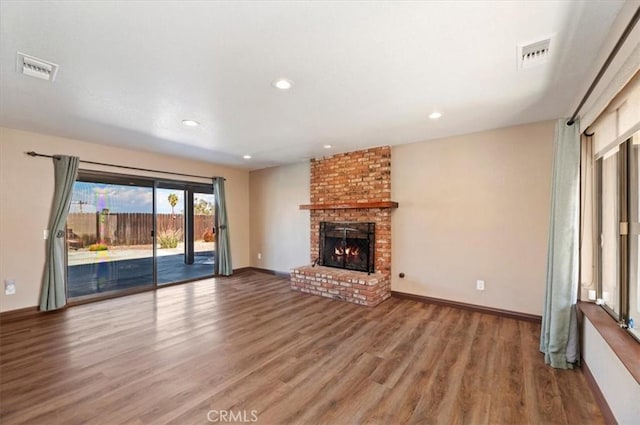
{"x": 353, "y": 187}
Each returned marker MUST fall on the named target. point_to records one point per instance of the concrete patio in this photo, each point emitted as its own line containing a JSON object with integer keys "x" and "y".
{"x": 104, "y": 271}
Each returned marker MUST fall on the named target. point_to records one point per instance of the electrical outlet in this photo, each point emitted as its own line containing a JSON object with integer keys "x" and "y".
{"x": 45, "y": 234}
{"x": 259, "y": 256}
{"x": 480, "y": 285}
{"x": 9, "y": 286}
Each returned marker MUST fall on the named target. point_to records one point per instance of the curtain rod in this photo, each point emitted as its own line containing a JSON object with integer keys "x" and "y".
{"x": 34, "y": 154}
{"x": 605, "y": 66}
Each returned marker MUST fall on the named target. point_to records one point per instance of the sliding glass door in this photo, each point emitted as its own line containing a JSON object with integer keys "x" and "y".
{"x": 170, "y": 240}
{"x": 185, "y": 244}
{"x": 126, "y": 234}
{"x": 204, "y": 222}
{"x": 109, "y": 236}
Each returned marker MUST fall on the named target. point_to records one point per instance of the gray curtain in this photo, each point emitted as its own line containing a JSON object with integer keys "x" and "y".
{"x": 225, "y": 267}
{"x": 53, "y": 295}
{"x": 559, "y": 333}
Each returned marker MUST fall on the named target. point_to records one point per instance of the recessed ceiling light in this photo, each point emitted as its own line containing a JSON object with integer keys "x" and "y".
{"x": 247, "y": 156}
{"x": 282, "y": 84}
{"x": 435, "y": 115}
{"x": 190, "y": 123}
{"x": 327, "y": 146}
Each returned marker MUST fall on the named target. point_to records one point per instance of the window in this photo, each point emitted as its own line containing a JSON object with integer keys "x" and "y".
{"x": 618, "y": 185}
{"x": 609, "y": 238}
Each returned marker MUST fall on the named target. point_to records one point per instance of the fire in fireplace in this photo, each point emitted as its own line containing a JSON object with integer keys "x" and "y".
{"x": 348, "y": 245}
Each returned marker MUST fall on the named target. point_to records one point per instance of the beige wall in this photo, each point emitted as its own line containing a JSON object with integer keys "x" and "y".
{"x": 474, "y": 207}
{"x": 279, "y": 229}
{"x": 26, "y": 191}
{"x": 471, "y": 207}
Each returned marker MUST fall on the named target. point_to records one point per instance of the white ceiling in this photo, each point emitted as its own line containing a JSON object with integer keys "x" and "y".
{"x": 365, "y": 73}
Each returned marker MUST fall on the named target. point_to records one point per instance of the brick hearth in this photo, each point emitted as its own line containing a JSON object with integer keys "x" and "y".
{"x": 348, "y": 179}
{"x": 344, "y": 285}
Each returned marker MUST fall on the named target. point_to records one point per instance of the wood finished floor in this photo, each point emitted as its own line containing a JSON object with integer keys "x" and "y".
{"x": 249, "y": 343}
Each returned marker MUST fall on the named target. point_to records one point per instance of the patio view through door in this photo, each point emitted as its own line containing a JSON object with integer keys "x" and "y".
{"x": 109, "y": 236}
{"x": 186, "y": 232}
{"x": 204, "y": 225}
{"x": 126, "y": 234}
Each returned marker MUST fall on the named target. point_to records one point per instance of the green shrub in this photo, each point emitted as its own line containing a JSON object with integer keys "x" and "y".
{"x": 169, "y": 238}
{"x": 98, "y": 247}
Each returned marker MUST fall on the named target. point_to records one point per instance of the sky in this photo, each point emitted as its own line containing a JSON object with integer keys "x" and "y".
{"x": 93, "y": 197}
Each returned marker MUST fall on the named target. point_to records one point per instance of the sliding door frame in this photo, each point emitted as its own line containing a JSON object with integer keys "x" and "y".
{"x": 92, "y": 176}
{"x": 190, "y": 188}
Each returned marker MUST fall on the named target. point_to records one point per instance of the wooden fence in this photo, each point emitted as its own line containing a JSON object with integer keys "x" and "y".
{"x": 130, "y": 228}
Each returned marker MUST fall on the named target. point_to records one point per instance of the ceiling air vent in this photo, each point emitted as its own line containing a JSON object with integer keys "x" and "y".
{"x": 533, "y": 54}
{"x": 34, "y": 67}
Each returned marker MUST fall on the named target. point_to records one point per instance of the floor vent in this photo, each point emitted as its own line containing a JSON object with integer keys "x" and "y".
{"x": 38, "y": 68}
{"x": 533, "y": 54}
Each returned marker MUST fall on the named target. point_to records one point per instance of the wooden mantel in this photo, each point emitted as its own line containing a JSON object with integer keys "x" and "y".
{"x": 350, "y": 205}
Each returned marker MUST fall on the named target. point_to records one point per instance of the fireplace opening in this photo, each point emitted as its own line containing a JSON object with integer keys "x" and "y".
{"x": 348, "y": 245}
